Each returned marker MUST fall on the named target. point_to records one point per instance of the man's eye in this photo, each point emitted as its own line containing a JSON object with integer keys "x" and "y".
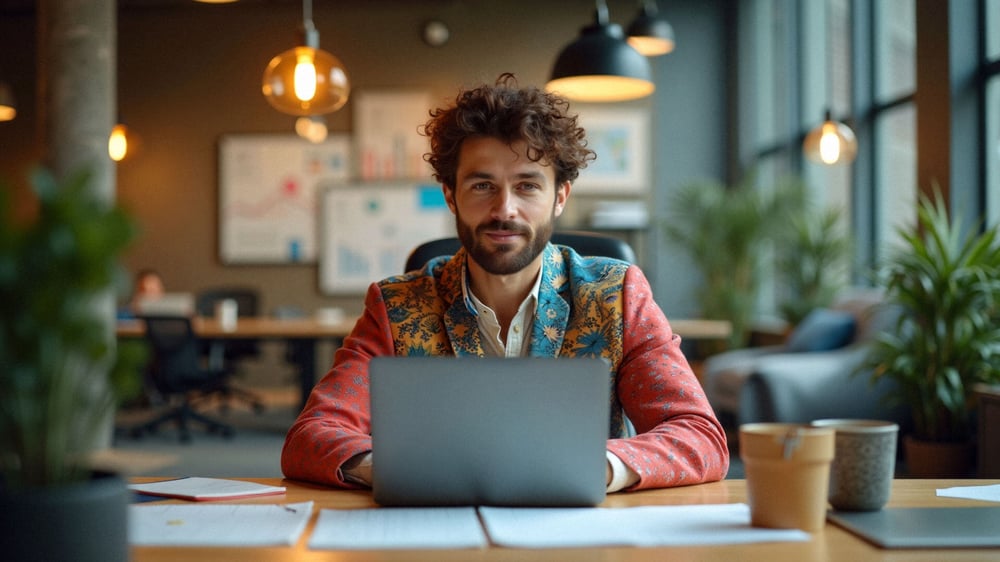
{"x": 529, "y": 187}
{"x": 482, "y": 186}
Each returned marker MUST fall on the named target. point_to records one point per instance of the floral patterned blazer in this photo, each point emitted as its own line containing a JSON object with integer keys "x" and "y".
{"x": 595, "y": 307}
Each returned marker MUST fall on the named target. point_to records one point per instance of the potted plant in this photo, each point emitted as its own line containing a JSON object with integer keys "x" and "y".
{"x": 57, "y": 368}
{"x": 812, "y": 258}
{"x": 725, "y": 231}
{"x": 945, "y": 283}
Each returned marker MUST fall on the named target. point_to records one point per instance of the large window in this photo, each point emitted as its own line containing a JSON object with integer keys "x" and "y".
{"x": 858, "y": 59}
{"x": 992, "y": 110}
{"x": 896, "y": 174}
{"x": 894, "y": 120}
{"x": 855, "y": 59}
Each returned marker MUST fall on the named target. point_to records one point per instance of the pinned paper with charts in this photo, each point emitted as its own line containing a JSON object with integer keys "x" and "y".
{"x": 268, "y": 195}
{"x": 368, "y": 230}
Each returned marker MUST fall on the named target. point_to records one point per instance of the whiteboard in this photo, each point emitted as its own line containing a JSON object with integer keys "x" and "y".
{"x": 268, "y": 202}
{"x": 368, "y": 230}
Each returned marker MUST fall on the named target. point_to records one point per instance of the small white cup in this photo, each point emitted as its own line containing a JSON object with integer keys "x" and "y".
{"x": 330, "y": 316}
{"x": 226, "y": 311}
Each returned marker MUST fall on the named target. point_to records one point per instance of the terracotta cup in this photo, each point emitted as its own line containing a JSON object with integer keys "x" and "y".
{"x": 787, "y": 473}
{"x": 864, "y": 463}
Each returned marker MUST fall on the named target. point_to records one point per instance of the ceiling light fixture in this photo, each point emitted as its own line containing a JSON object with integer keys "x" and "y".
{"x": 600, "y": 66}
{"x": 832, "y": 142}
{"x": 306, "y": 80}
{"x": 123, "y": 142}
{"x": 118, "y": 142}
{"x": 8, "y": 110}
{"x": 650, "y": 34}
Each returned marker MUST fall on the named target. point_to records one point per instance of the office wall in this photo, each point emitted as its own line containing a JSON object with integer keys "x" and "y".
{"x": 189, "y": 73}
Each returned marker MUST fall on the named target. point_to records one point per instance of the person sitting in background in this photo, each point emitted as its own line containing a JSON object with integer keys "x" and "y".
{"x": 506, "y": 158}
{"x": 148, "y": 285}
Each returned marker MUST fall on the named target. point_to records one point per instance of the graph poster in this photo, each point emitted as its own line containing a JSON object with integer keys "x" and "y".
{"x": 369, "y": 229}
{"x": 387, "y": 130}
{"x": 268, "y": 195}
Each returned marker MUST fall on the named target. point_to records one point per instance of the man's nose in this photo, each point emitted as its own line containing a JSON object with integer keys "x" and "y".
{"x": 505, "y": 204}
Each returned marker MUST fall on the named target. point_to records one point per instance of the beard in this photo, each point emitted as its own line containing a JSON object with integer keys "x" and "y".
{"x": 504, "y": 259}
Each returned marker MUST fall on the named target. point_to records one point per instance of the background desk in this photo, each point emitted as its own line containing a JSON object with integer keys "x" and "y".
{"x": 303, "y": 333}
{"x": 832, "y": 544}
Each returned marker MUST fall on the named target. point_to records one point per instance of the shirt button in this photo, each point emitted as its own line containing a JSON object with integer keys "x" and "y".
{"x": 517, "y": 329}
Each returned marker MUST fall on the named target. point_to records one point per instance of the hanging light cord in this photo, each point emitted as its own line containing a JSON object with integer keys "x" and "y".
{"x": 310, "y": 35}
{"x": 601, "y": 13}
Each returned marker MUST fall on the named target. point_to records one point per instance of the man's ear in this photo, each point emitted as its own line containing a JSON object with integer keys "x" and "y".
{"x": 562, "y": 194}
{"x": 449, "y": 198}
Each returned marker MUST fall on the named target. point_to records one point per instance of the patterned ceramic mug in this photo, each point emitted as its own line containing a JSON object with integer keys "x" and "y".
{"x": 864, "y": 463}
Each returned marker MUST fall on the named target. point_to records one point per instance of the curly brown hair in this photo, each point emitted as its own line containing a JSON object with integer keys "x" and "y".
{"x": 509, "y": 113}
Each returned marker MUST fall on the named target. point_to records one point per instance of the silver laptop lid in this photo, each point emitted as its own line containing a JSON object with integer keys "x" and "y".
{"x": 489, "y": 431}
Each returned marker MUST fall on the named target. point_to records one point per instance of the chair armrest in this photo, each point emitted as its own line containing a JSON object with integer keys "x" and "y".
{"x": 801, "y": 387}
{"x": 723, "y": 374}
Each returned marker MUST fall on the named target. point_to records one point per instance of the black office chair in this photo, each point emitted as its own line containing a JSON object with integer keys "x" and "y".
{"x": 179, "y": 377}
{"x": 585, "y": 243}
{"x": 232, "y": 350}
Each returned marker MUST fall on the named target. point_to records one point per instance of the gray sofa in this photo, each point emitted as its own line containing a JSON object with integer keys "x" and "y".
{"x": 798, "y": 382}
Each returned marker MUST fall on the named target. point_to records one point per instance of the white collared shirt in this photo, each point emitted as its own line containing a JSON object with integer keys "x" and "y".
{"x": 518, "y": 340}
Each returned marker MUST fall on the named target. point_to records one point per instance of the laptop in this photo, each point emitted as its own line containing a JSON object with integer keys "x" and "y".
{"x": 526, "y": 431}
{"x": 924, "y": 527}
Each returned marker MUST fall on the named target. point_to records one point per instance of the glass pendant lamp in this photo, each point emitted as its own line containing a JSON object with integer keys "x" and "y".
{"x": 306, "y": 80}
{"x": 832, "y": 142}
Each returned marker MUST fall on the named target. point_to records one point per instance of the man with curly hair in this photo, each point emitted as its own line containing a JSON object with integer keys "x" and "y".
{"x": 506, "y": 158}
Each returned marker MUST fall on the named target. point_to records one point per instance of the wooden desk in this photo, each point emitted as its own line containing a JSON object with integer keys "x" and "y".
{"x": 305, "y": 333}
{"x": 309, "y": 331}
{"x": 698, "y": 329}
{"x": 262, "y": 327}
{"x": 832, "y": 544}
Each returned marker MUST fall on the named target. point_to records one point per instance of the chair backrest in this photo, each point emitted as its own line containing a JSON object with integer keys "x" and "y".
{"x": 176, "y": 352}
{"x": 585, "y": 244}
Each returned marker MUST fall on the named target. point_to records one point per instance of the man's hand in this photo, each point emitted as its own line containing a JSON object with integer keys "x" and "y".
{"x": 358, "y": 469}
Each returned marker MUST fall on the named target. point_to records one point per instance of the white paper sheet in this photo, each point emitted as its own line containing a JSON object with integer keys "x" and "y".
{"x": 990, "y": 493}
{"x": 638, "y": 526}
{"x": 392, "y": 528}
{"x": 217, "y": 524}
{"x": 199, "y": 488}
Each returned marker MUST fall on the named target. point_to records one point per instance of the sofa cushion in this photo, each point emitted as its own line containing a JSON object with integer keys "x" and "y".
{"x": 822, "y": 330}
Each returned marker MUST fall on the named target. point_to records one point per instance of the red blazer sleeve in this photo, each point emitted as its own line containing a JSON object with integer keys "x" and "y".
{"x": 679, "y": 440}
{"x": 335, "y": 423}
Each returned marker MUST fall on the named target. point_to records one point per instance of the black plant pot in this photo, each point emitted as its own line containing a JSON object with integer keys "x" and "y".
{"x": 83, "y": 522}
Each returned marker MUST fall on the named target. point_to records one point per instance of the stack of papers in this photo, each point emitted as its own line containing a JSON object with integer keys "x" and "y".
{"x": 217, "y": 525}
{"x": 395, "y": 528}
{"x": 387, "y": 528}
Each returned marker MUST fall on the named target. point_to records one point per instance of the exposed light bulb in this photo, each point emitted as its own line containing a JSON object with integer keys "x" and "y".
{"x": 305, "y": 75}
{"x": 829, "y": 144}
{"x": 118, "y": 143}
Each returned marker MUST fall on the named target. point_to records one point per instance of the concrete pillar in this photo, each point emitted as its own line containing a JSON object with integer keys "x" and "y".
{"x": 77, "y": 62}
